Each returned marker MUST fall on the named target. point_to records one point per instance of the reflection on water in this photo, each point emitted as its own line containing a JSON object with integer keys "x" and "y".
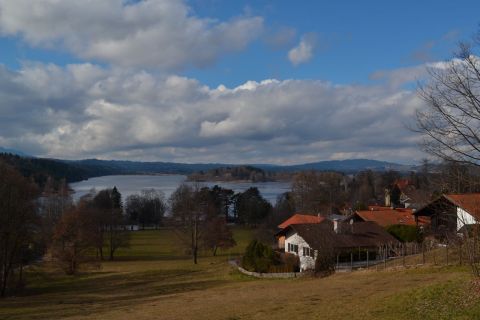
{"x": 130, "y": 184}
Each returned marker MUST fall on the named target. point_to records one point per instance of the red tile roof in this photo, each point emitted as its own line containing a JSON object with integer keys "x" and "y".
{"x": 469, "y": 202}
{"x": 299, "y": 218}
{"x": 390, "y": 217}
{"x": 377, "y": 207}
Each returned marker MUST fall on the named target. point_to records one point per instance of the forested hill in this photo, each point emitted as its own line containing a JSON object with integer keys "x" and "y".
{"x": 234, "y": 173}
{"x": 41, "y": 169}
{"x": 138, "y": 167}
{"x": 76, "y": 170}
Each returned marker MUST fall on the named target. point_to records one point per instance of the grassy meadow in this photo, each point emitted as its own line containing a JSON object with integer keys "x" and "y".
{"x": 153, "y": 279}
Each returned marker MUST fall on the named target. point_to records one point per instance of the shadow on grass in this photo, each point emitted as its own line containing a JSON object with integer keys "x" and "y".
{"x": 87, "y": 295}
{"x": 150, "y": 258}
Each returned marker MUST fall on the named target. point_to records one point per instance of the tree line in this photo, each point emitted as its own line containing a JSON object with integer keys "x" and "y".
{"x": 40, "y": 221}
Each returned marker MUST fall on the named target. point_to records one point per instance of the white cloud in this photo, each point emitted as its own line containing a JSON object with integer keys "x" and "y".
{"x": 162, "y": 34}
{"x": 303, "y": 52}
{"x": 88, "y": 111}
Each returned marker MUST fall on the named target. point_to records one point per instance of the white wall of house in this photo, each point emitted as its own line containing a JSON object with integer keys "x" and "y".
{"x": 306, "y": 262}
{"x": 463, "y": 218}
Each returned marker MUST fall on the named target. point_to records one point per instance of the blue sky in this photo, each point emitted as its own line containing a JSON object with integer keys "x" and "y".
{"x": 355, "y": 38}
{"x": 87, "y": 72}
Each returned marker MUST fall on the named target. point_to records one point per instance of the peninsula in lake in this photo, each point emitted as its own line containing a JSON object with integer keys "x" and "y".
{"x": 238, "y": 173}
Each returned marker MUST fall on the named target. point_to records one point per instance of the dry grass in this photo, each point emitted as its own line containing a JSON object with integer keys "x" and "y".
{"x": 151, "y": 280}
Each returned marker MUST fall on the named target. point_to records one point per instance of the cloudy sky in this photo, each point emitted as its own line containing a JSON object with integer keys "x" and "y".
{"x": 220, "y": 81}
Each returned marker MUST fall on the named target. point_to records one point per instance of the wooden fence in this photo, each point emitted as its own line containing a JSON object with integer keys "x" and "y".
{"x": 406, "y": 255}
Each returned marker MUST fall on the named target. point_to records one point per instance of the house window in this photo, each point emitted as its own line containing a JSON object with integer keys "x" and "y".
{"x": 293, "y": 248}
{"x": 308, "y": 252}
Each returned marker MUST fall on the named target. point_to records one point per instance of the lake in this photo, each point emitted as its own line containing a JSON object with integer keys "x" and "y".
{"x": 131, "y": 184}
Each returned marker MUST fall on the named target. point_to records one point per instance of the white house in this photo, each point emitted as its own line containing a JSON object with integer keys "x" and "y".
{"x": 296, "y": 244}
{"x": 309, "y": 240}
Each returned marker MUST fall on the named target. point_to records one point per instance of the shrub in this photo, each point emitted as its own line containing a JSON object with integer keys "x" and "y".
{"x": 292, "y": 262}
{"x": 258, "y": 257}
{"x": 325, "y": 262}
{"x": 404, "y": 233}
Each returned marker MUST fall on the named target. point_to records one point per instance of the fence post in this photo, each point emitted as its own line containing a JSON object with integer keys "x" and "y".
{"x": 403, "y": 253}
{"x": 367, "y": 259}
{"x": 461, "y": 253}
{"x": 423, "y": 252}
{"x": 351, "y": 260}
{"x": 447, "y": 252}
{"x": 385, "y": 258}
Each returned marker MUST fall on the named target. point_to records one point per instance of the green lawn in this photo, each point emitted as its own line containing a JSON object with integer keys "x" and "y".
{"x": 153, "y": 280}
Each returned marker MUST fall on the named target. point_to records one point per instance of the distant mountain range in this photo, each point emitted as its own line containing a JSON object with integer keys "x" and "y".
{"x": 76, "y": 170}
{"x": 346, "y": 166}
{"x": 110, "y": 167}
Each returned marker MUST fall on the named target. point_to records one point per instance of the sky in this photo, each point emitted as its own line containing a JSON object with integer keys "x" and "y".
{"x": 280, "y": 82}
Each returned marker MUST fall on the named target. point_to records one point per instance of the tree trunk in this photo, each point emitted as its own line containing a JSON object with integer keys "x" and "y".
{"x": 195, "y": 255}
{"x": 3, "y": 289}
{"x": 195, "y": 241}
{"x": 112, "y": 249}
{"x": 20, "y": 276}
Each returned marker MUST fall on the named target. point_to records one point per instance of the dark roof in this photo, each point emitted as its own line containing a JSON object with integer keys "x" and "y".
{"x": 364, "y": 234}
{"x": 359, "y": 234}
{"x": 317, "y": 235}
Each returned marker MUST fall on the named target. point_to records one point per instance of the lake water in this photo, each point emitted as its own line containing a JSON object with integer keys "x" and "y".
{"x": 131, "y": 184}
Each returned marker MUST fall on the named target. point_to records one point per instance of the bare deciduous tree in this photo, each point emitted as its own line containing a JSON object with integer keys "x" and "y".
{"x": 111, "y": 222}
{"x": 74, "y": 238}
{"x": 188, "y": 217}
{"x": 17, "y": 221}
{"x": 451, "y": 120}
{"x": 318, "y": 192}
{"x": 450, "y": 123}
{"x": 217, "y": 235}
{"x": 53, "y": 203}
{"x": 146, "y": 208}
{"x": 198, "y": 220}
